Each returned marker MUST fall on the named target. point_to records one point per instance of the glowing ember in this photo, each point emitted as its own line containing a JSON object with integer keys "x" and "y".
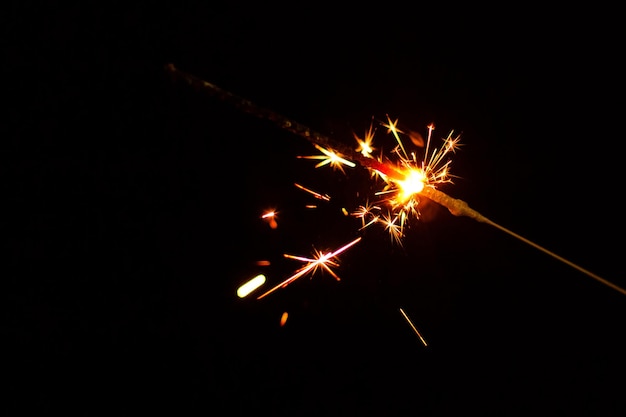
{"x": 283, "y": 319}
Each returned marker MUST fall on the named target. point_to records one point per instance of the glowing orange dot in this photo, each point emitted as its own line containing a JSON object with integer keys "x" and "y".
{"x": 283, "y": 319}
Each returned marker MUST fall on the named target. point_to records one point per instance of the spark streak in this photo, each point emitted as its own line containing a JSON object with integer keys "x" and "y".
{"x": 315, "y": 194}
{"x": 320, "y": 260}
{"x": 430, "y": 172}
{"x": 408, "y": 320}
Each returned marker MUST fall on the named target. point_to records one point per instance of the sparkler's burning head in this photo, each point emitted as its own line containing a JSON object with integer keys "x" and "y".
{"x": 413, "y": 183}
{"x": 404, "y": 174}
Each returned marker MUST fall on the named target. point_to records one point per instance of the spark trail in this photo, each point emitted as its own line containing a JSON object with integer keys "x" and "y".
{"x": 406, "y": 181}
{"x": 320, "y": 260}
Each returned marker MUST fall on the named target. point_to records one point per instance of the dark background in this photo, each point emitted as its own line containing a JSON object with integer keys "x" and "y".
{"x": 133, "y": 206}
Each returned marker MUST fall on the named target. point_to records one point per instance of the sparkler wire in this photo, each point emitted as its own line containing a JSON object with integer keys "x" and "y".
{"x": 455, "y": 206}
{"x": 460, "y": 208}
{"x": 258, "y": 111}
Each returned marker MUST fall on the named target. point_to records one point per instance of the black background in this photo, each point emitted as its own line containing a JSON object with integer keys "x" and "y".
{"x": 133, "y": 212}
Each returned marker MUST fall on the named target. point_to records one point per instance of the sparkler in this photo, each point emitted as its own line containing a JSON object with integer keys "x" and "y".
{"x": 406, "y": 179}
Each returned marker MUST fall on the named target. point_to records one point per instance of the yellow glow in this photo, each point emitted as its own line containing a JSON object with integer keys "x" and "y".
{"x": 413, "y": 183}
{"x": 283, "y": 319}
{"x": 251, "y": 285}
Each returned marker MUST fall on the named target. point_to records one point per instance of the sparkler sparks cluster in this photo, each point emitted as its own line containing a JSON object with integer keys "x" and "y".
{"x": 405, "y": 177}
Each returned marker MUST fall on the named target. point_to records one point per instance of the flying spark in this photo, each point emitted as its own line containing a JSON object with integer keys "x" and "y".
{"x": 245, "y": 289}
{"x": 270, "y": 217}
{"x": 408, "y": 320}
{"x": 315, "y": 194}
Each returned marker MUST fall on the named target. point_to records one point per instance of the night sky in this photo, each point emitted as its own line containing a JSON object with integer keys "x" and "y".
{"x": 134, "y": 204}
